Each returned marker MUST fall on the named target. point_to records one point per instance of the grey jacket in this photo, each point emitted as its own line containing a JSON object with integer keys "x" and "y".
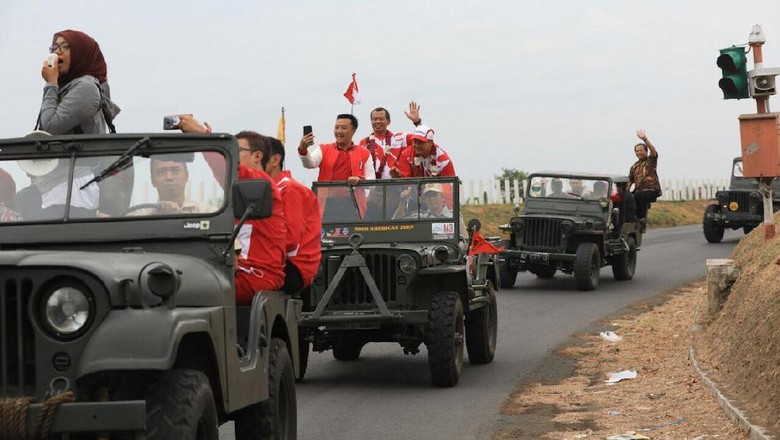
{"x": 77, "y": 104}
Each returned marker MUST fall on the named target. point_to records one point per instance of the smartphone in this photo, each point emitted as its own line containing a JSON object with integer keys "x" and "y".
{"x": 172, "y": 122}
{"x": 306, "y": 129}
{"x": 52, "y": 60}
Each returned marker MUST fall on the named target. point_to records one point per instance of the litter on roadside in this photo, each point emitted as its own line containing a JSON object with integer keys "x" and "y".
{"x": 631, "y": 435}
{"x": 610, "y": 336}
{"x": 622, "y": 375}
{"x": 613, "y": 412}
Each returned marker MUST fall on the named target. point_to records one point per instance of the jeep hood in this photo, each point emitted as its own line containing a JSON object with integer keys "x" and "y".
{"x": 122, "y": 274}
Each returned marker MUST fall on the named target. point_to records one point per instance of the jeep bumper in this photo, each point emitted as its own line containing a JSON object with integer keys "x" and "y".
{"x": 357, "y": 317}
{"x": 129, "y": 416}
{"x": 735, "y": 219}
{"x": 522, "y": 258}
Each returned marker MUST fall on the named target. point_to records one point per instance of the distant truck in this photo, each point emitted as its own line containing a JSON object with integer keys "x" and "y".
{"x": 740, "y": 206}
{"x": 125, "y": 322}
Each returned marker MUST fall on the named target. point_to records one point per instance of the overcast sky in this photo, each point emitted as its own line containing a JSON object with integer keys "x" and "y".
{"x": 557, "y": 85}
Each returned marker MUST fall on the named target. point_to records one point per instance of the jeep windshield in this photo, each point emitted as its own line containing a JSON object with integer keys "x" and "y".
{"x": 393, "y": 208}
{"x": 61, "y": 186}
{"x": 569, "y": 188}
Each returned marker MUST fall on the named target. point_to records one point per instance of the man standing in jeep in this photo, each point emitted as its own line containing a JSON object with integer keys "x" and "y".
{"x": 643, "y": 174}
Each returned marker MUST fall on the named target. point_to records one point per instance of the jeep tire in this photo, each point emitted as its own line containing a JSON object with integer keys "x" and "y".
{"x": 444, "y": 339}
{"x": 624, "y": 264}
{"x": 347, "y": 350}
{"x": 587, "y": 266}
{"x": 507, "y": 274}
{"x": 180, "y": 404}
{"x": 481, "y": 330}
{"x": 713, "y": 232}
{"x": 275, "y": 418}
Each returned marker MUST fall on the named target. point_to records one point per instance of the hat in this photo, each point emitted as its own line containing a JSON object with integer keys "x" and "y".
{"x": 423, "y": 133}
{"x": 433, "y": 187}
{"x": 38, "y": 167}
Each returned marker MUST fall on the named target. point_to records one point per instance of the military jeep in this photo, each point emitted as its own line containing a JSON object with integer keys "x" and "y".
{"x": 741, "y": 206}
{"x": 571, "y": 225}
{"x": 124, "y": 325}
{"x": 395, "y": 268}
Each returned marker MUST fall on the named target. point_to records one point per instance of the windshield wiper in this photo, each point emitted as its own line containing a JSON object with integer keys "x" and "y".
{"x": 121, "y": 163}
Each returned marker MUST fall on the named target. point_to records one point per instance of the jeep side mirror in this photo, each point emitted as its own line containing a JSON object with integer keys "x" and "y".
{"x": 255, "y": 193}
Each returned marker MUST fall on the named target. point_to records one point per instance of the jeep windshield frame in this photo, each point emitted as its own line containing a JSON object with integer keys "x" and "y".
{"x": 410, "y": 210}
{"x": 78, "y": 218}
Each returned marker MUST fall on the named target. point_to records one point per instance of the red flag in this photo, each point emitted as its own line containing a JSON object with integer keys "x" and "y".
{"x": 481, "y": 246}
{"x": 352, "y": 94}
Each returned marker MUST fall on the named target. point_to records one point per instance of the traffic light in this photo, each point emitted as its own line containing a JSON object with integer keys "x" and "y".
{"x": 733, "y": 63}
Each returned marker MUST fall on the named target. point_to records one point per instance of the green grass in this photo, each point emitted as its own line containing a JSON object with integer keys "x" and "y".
{"x": 662, "y": 214}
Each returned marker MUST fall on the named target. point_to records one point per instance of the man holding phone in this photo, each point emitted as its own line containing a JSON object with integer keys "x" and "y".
{"x": 340, "y": 160}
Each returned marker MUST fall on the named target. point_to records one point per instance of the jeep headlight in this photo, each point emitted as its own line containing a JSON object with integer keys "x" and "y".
{"x": 567, "y": 227}
{"x": 66, "y": 310}
{"x": 733, "y": 206}
{"x": 517, "y": 224}
{"x": 407, "y": 264}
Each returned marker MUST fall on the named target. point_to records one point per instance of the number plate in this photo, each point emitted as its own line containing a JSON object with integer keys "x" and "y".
{"x": 535, "y": 256}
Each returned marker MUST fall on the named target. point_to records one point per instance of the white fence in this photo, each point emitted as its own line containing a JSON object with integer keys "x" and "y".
{"x": 480, "y": 191}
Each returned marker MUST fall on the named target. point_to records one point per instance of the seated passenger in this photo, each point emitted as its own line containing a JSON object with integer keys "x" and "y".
{"x": 575, "y": 187}
{"x": 169, "y": 177}
{"x": 433, "y": 197}
{"x": 8, "y": 198}
{"x": 599, "y": 191}
{"x": 556, "y": 186}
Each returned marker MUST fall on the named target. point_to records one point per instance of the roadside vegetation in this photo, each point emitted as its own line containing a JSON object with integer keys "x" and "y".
{"x": 662, "y": 214}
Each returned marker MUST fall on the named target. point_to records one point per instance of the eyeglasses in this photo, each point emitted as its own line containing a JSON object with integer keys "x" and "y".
{"x": 246, "y": 149}
{"x": 62, "y": 47}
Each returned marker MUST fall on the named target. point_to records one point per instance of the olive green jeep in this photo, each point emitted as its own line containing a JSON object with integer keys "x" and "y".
{"x": 395, "y": 268}
{"x": 122, "y": 322}
{"x": 571, "y": 225}
{"x": 740, "y": 206}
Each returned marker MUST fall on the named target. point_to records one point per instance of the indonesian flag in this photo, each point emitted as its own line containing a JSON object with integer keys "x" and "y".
{"x": 352, "y": 94}
{"x": 481, "y": 246}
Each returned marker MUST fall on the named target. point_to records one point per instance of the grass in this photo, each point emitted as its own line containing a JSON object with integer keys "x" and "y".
{"x": 662, "y": 214}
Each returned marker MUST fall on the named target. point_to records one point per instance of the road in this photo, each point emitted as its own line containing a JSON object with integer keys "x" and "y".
{"x": 386, "y": 395}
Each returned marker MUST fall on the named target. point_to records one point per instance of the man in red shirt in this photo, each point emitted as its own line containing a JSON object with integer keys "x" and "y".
{"x": 261, "y": 259}
{"x": 340, "y": 160}
{"x": 384, "y": 145}
{"x": 424, "y": 158}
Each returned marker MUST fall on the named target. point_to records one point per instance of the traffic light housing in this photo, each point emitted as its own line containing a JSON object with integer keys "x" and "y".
{"x": 733, "y": 64}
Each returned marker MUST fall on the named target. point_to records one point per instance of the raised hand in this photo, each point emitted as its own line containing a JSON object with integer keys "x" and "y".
{"x": 641, "y": 134}
{"x": 414, "y": 112}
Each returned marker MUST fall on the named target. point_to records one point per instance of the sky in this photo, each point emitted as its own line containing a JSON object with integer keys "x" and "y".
{"x": 558, "y": 85}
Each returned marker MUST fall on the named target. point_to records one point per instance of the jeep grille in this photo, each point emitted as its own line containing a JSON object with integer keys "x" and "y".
{"x": 742, "y": 198}
{"x": 542, "y": 233}
{"x": 353, "y": 291}
{"x": 17, "y": 348}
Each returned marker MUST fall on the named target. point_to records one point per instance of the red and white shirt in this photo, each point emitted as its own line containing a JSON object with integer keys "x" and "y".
{"x": 436, "y": 164}
{"x": 390, "y": 145}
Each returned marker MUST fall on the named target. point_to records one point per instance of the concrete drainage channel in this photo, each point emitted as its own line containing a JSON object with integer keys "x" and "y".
{"x": 718, "y": 272}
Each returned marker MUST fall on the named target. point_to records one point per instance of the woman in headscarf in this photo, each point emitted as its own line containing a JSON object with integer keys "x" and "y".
{"x": 76, "y": 97}
{"x": 77, "y": 100}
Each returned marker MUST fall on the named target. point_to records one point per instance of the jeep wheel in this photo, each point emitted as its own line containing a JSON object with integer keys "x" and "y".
{"x": 587, "y": 266}
{"x": 180, "y": 405}
{"x": 303, "y": 355}
{"x": 444, "y": 339}
{"x": 713, "y": 232}
{"x": 624, "y": 265}
{"x": 545, "y": 272}
{"x": 275, "y": 418}
{"x": 507, "y": 274}
{"x": 481, "y": 330}
{"x": 347, "y": 350}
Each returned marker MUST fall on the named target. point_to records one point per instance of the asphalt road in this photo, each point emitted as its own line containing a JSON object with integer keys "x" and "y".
{"x": 386, "y": 395}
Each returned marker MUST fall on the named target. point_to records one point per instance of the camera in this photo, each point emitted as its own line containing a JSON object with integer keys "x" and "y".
{"x": 172, "y": 122}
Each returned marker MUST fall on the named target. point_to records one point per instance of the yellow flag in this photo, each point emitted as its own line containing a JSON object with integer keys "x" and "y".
{"x": 280, "y": 130}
